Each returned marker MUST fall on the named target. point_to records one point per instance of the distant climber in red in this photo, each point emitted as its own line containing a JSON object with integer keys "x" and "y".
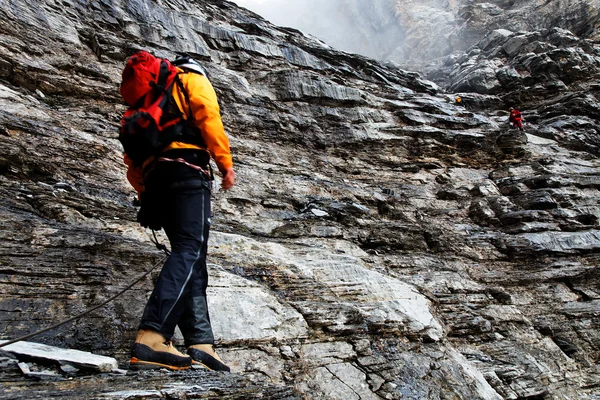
{"x": 515, "y": 118}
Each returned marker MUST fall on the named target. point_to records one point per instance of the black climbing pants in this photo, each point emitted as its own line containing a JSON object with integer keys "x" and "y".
{"x": 180, "y": 199}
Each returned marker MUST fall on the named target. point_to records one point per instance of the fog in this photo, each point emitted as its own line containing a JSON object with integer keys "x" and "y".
{"x": 408, "y": 32}
{"x": 418, "y": 34}
{"x": 279, "y": 12}
{"x": 364, "y": 27}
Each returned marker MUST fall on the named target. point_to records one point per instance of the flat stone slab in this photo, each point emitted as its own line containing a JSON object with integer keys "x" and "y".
{"x": 78, "y": 358}
{"x": 39, "y": 374}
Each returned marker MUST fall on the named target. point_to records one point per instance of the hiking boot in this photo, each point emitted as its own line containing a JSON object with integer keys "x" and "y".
{"x": 205, "y": 355}
{"x": 151, "y": 351}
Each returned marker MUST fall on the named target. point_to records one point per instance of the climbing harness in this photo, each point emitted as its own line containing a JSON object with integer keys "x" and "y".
{"x": 158, "y": 245}
{"x": 207, "y": 173}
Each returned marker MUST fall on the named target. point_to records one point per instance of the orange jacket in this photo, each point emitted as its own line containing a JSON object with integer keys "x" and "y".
{"x": 206, "y": 116}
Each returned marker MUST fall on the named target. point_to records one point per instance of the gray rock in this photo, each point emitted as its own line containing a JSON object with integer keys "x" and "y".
{"x": 50, "y": 353}
{"x": 473, "y": 275}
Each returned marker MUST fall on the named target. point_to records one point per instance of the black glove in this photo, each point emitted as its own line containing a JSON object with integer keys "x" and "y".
{"x": 148, "y": 215}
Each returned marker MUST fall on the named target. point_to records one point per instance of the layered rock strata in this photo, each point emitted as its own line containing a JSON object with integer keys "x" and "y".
{"x": 381, "y": 242}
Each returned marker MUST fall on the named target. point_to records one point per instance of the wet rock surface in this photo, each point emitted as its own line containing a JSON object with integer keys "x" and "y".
{"x": 381, "y": 241}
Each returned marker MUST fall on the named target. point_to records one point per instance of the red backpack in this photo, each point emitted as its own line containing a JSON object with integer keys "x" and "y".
{"x": 153, "y": 119}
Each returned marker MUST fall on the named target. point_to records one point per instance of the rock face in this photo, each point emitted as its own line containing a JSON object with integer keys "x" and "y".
{"x": 417, "y": 33}
{"x": 551, "y": 72}
{"x": 381, "y": 242}
{"x": 72, "y": 357}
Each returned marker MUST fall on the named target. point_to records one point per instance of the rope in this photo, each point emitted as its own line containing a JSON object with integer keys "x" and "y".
{"x": 160, "y": 246}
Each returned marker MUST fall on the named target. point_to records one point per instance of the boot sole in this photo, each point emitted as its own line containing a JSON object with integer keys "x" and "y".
{"x": 203, "y": 358}
{"x": 140, "y": 365}
{"x": 194, "y": 362}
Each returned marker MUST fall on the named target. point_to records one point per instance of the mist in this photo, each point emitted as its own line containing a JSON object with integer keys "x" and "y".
{"x": 410, "y": 33}
{"x": 369, "y": 28}
{"x": 417, "y": 34}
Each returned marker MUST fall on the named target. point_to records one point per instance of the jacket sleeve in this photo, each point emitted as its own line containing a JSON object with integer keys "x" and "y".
{"x": 207, "y": 117}
{"x": 134, "y": 175}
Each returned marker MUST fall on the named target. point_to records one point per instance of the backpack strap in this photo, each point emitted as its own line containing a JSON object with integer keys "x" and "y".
{"x": 185, "y": 95}
{"x": 189, "y": 133}
{"x": 163, "y": 75}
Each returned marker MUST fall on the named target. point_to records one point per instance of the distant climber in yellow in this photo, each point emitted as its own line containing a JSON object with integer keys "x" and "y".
{"x": 459, "y": 101}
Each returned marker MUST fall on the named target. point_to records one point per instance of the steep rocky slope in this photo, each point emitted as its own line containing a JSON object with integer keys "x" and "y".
{"x": 381, "y": 241}
{"x": 416, "y": 34}
{"x": 552, "y": 73}
{"x": 436, "y": 28}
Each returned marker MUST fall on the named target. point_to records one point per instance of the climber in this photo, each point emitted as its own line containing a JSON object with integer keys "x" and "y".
{"x": 174, "y": 188}
{"x": 459, "y": 101}
{"x": 515, "y": 118}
